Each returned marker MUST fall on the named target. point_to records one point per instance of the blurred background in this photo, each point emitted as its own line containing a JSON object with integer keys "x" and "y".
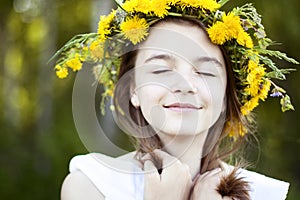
{"x": 37, "y": 133}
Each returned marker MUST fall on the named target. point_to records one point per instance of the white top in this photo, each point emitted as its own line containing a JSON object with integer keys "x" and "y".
{"x": 121, "y": 179}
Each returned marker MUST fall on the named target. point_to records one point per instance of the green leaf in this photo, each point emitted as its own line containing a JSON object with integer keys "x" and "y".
{"x": 276, "y": 72}
{"x": 280, "y": 55}
{"x": 286, "y": 103}
{"x": 283, "y": 71}
{"x": 223, "y": 2}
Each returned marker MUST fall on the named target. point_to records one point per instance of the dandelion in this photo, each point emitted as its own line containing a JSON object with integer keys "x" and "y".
{"x": 135, "y": 29}
{"x": 210, "y": 5}
{"x": 217, "y": 33}
{"x": 137, "y": 6}
{"x": 159, "y": 7}
{"x": 264, "y": 90}
{"x": 250, "y": 105}
{"x": 74, "y": 63}
{"x": 104, "y": 25}
{"x": 233, "y": 25}
{"x": 142, "y": 6}
{"x": 97, "y": 51}
{"x": 188, "y": 3}
{"x": 129, "y": 6}
{"x": 244, "y": 39}
{"x": 61, "y": 72}
{"x": 235, "y": 129}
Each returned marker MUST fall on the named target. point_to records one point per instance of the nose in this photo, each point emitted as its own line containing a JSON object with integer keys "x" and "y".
{"x": 184, "y": 84}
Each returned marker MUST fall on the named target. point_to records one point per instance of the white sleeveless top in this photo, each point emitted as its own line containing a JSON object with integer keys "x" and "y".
{"x": 121, "y": 179}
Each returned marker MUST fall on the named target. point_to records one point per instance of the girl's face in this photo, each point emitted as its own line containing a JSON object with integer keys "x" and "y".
{"x": 180, "y": 80}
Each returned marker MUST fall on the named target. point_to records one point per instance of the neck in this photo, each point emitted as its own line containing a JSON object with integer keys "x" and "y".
{"x": 188, "y": 149}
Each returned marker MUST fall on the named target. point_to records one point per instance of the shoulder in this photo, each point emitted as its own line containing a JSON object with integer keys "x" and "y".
{"x": 100, "y": 175}
{"x": 78, "y": 186}
{"x": 264, "y": 187}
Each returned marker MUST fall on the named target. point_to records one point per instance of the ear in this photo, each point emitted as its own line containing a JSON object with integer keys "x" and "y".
{"x": 135, "y": 100}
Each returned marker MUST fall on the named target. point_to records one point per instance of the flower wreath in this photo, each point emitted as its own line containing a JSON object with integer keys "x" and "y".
{"x": 239, "y": 31}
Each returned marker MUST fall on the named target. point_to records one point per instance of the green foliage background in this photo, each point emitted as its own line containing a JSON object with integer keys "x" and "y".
{"x": 37, "y": 132}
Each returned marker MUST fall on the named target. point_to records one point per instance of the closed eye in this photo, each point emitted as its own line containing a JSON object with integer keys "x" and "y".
{"x": 160, "y": 71}
{"x": 206, "y": 74}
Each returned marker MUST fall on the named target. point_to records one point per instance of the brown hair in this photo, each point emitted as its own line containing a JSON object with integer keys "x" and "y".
{"x": 221, "y": 149}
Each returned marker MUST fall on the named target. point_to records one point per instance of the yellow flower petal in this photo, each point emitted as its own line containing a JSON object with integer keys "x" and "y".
{"x": 159, "y": 7}
{"x": 97, "y": 51}
{"x": 210, "y": 5}
{"x": 135, "y": 29}
{"x": 264, "y": 90}
{"x": 217, "y": 33}
{"x": 75, "y": 63}
{"x": 104, "y": 25}
{"x": 61, "y": 72}
{"x": 244, "y": 39}
{"x": 233, "y": 25}
{"x": 249, "y": 105}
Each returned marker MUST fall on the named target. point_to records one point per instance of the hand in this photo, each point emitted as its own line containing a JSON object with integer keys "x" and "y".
{"x": 174, "y": 181}
{"x": 206, "y": 186}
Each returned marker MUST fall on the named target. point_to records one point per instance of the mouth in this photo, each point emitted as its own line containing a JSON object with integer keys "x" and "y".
{"x": 182, "y": 107}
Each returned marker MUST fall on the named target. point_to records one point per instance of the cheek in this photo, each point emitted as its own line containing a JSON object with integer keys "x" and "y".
{"x": 150, "y": 99}
{"x": 213, "y": 94}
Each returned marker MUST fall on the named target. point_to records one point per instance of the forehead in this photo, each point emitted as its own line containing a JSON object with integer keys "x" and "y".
{"x": 182, "y": 39}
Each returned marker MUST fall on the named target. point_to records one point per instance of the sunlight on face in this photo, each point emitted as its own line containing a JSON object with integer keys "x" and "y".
{"x": 180, "y": 80}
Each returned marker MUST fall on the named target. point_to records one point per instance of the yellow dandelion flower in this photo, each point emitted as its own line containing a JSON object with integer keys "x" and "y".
{"x": 129, "y": 6}
{"x": 74, "y": 63}
{"x": 264, "y": 90}
{"x": 187, "y": 3}
{"x": 159, "y": 7}
{"x": 134, "y": 29}
{"x": 256, "y": 74}
{"x": 235, "y": 129}
{"x": 244, "y": 39}
{"x": 137, "y": 6}
{"x": 97, "y": 51}
{"x": 104, "y": 25}
{"x": 233, "y": 25}
{"x": 61, "y": 72}
{"x": 210, "y": 5}
{"x": 143, "y": 6}
{"x": 252, "y": 89}
{"x": 109, "y": 92}
{"x": 249, "y": 105}
{"x": 217, "y": 33}
{"x": 242, "y": 130}
{"x": 229, "y": 129}
{"x": 254, "y": 78}
{"x": 252, "y": 65}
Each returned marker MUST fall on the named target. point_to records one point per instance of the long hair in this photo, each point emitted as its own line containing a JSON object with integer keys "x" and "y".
{"x": 223, "y": 147}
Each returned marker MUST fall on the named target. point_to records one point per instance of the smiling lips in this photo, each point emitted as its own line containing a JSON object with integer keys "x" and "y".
{"x": 182, "y": 107}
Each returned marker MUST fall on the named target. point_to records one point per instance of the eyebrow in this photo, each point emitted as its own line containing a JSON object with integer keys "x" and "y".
{"x": 169, "y": 57}
{"x": 209, "y": 59}
{"x": 160, "y": 57}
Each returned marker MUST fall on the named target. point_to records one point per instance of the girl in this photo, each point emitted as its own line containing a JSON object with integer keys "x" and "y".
{"x": 185, "y": 89}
